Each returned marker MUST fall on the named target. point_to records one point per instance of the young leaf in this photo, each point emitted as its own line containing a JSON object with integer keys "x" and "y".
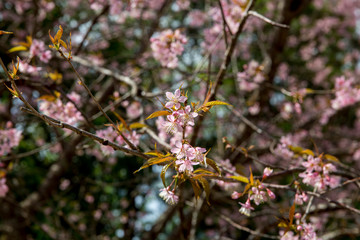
{"x": 240, "y": 178}
{"x": 5, "y": 32}
{"x": 214, "y": 103}
{"x": 17, "y": 48}
{"x": 251, "y": 178}
{"x": 331, "y": 158}
{"x": 213, "y": 164}
{"x": 196, "y": 188}
{"x": 137, "y": 125}
{"x": 158, "y": 114}
{"x": 153, "y": 161}
{"x": 122, "y": 120}
{"x": 163, "y": 172}
{"x": 203, "y": 171}
{"x": 204, "y": 183}
{"x": 307, "y": 152}
{"x": 292, "y": 213}
{"x": 58, "y": 34}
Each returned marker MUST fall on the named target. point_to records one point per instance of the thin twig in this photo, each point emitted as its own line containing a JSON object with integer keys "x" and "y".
{"x": 307, "y": 210}
{"x": 345, "y": 206}
{"x": 245, "y": 229}
{"x": 225, "y": 25}
{"x": 267, "y": 20}
{"x": 127, "y": 141}
{"x": 105, "y": 142}
{"x": 94, "y": 21}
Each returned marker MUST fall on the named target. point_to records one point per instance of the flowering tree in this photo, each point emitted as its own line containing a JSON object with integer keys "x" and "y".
{"x": 153, "y": 119}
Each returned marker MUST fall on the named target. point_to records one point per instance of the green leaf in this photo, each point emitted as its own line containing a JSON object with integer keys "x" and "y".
{"x": 213, "y": 164}
{"x": 158, "y": 114}
{"x": 240, "y": 178}
{"x": 163, "y": 172}
{"x": 17, "y": 49}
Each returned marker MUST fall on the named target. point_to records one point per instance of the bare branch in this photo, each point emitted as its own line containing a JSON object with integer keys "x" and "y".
{"x": 267, "y": 20}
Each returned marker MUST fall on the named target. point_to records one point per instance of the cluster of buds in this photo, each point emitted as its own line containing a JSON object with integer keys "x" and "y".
{"x": 257, "y": 193}
{"x": 317, "y": 173}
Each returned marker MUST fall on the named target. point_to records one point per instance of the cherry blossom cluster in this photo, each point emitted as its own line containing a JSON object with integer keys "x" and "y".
{"x": 257, "y": 193}
{"x": 111, "y": 134}
{"x": 38, "y": 49}
{"x": 9, "y": 138}
{"x": 167, "y": 46}
{"x": 317, "y": 173}
{"x": 233, "y": 11}
{"x": 346, "y": 93}
{"x": 176, "y": 123}
{"x": 251, "y": 77}
{"x": 182, "y": 116}
{"x": 304, "y": 231}
{"x": 60, "y": 111}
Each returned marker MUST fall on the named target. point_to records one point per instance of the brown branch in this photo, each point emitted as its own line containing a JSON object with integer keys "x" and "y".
{"x": 105, "y": 142}
{"x": 94, "y": 21}
{"x": 224, "y": 66}
{"x": 245, "y": 229}
{"x": 130, "y": 144}
{"x": 318, "y": 195}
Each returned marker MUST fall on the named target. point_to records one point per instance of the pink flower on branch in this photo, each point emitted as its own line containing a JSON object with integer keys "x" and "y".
{"x": 246, "y": 207}
{"x": 175, "y": 99}
{"x": 168, "y": 196}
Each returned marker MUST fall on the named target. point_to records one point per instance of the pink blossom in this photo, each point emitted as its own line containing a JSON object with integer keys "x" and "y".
{"x": 300, "y": 198}
{"x": 187, "y": 117}
{"x": 172, "y": 125}
{"x": 197, "y": 18}
{"x": 9, "y": 138}
{"x": 186, "y": 165}
{"x": 134, "y": 110}
{"x": 168, "y": 196}
{"x": 167, "y": 46}
{"x": 267, "y": 172}
{"x": 271, "y": 194}
{"x": 63, "y": 112}
{"x": 38, "y": 49}
{"x": 183, "y": 4}
{"x": 175, "y": 99}
{"x": 235, "y": 195}
{"x": 246, "y": 208}
{"x": 3, "y": 187}
{"x": 258, "y": 196}
{"x": 183, "y": 151}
